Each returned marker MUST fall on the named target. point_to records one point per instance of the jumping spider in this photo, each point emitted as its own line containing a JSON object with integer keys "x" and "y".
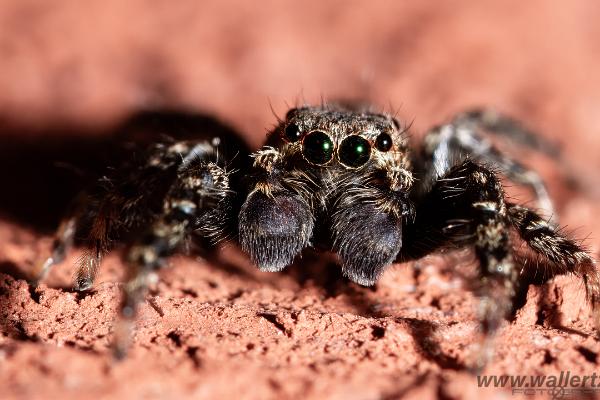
{"x": 339, "y": 178}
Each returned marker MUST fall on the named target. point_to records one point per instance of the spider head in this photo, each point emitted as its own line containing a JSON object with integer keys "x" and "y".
{"x": 341, "y": 137}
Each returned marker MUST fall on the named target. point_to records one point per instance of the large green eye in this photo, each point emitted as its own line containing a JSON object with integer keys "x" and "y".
{"x": 354, "y": 151}
{"x": 317, "y": 148}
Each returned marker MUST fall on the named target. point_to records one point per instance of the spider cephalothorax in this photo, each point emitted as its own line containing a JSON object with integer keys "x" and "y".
{"x": 349, "y": 170}
{"x": 335, "y": 177}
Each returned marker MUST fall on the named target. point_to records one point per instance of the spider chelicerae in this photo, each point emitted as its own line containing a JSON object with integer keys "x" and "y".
{"x": 336, "y": 177}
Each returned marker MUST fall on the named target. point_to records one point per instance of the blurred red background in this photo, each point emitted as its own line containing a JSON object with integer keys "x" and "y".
{"x": 92, "y": 62}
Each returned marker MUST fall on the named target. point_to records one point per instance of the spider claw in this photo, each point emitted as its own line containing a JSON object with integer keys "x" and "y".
{"x": 83, "y": 284}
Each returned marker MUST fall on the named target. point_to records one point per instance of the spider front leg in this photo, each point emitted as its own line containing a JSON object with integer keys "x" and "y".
{"x": 199, "y": 203}
{"x": 276, "y": 221}
{"x": 466, "y": 207}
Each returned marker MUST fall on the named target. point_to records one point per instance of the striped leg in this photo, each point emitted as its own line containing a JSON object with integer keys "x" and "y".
{"x": 466, "y": 207}
{"x": 198, "y": 203}
{"x": 563, "y": 255}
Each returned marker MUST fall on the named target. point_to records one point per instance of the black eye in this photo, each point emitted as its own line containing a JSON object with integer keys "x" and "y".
{"x": 383, "y": 142}
{"x": 354, "y": 151}
{"x": 317, "y": 147}
{"x": 291, "y": 113}
{"x": 292, "y": 133}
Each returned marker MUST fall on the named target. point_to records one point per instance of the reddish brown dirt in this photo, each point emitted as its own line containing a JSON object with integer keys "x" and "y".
{"x": 229, "y": 331}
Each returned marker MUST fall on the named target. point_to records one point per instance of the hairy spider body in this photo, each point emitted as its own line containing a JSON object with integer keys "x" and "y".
{"x": 339, "y": 178}
{"x": 302, "y": 179}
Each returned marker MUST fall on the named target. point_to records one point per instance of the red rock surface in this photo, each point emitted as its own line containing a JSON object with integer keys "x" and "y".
{"x": 74, "y": 69}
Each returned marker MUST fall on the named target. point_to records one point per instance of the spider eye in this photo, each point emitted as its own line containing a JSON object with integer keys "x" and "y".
{"x": 383, "y": 142}
{"x": 354, "y": 151}
{"x": 317, "y": 148}
{"x": 292, "y": 133}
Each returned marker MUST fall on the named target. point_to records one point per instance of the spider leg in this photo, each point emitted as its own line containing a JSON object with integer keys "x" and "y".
{"x": 120, "y": 203}
{"x": 199, "y": 202}
{"x": 499, "y": 124}
{"x": 563, "y": 256}
{"x": 448, "y": 144}
{"x": 466, "y": 207}
{"x": 114, "y": 210}
{"x": 62, "y": 243}
{"x": 94, "y": 225}
{"x": 276, "y": 221}
{"x": 144, "y": 258}
{"x": 79, "y": 214}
